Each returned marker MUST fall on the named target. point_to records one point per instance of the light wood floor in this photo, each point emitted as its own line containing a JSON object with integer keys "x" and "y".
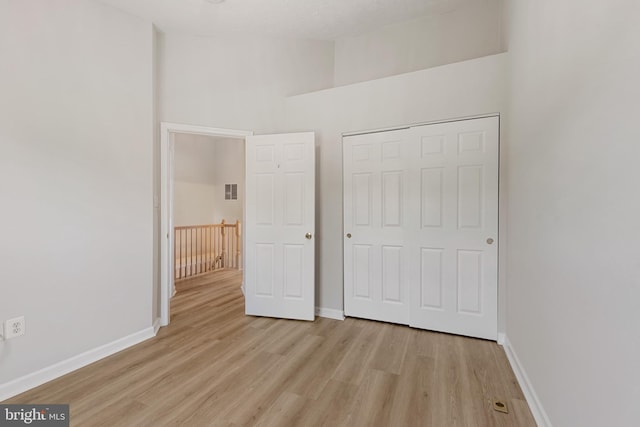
{"x": 215, "y": 366}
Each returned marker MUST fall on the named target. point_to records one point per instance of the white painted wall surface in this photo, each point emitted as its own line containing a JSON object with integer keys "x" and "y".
{"x": 202, "y": 165}
{"x": 460, "y": 34}
{"x": 156, "y": 177}
{"x": 238, "y": 83}
{"x": 193, "y": 203}
{"x": 574, "y": 264}
{"x": 194, "y": 180}
{"x": 229, "y": 169}
{"x": 75, "y": 179}
{"x": 457, "y": 90}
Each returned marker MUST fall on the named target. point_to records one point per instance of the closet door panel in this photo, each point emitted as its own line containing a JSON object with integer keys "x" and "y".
{"x": 375, "y": 207}
{"x": 453, "y": 246}
{"x": 421, "y": 225}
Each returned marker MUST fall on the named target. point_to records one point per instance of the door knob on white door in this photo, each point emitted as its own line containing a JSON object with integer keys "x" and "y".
{"x": 348, "y": 235}
{"x": 489, "y": 240}
{"x": 308, "y": 236}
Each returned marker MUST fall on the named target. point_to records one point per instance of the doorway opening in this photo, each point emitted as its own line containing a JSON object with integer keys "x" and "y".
{"x": 208, "y": 201}
{"x": 202, "y": 181}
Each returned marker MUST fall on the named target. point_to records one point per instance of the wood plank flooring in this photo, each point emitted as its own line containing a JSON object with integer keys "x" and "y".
{"x": 214, "y": 366}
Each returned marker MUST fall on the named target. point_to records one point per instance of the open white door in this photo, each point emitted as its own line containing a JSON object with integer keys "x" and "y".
{"x": 280, "y": 225}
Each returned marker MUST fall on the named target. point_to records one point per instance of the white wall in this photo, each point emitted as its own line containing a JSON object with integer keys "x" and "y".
{"x": 202, "y": 165}
{"x": 458, "y": 90}
{"x": 574, "y": 263}
{"x": 194, "y": 180}
{"x": 193, "y": 203}
{"x": 156, "y": 178}
{"x": 235, "y": 82}
{"x": 460, "y": 34}
{"x": 75, "y": 179}
{"x": 229, "y": 169}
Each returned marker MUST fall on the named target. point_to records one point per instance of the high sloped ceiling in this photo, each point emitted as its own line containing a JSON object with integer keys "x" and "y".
{"x": 312, "y": 19}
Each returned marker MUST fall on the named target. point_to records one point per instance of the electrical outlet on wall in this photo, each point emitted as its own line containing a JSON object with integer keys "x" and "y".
{"x": 14, "y": 327}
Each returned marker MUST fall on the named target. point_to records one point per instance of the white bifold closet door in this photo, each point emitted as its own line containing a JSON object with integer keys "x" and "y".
{"x": 375, "y": 212}
{"x": 421, "y": 226}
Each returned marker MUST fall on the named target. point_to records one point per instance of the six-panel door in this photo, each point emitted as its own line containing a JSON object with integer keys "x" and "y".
{"x": 421, "y": 206}
{"x": 375, "y": 210}
{"x": 280, "y": 226}
{"x": 453, "y": 174}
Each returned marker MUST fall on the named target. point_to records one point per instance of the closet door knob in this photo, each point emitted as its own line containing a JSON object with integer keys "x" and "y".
{"x": 308, "y": 236}
{"x": 489, "y": 240}
{"x": 348, "y": 235}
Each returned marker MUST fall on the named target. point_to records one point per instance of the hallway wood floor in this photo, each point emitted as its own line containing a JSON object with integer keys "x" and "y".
{"x": 214, "y": 366}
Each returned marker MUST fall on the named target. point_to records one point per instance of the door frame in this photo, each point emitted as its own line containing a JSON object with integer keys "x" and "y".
{"x": 167, "y": 132}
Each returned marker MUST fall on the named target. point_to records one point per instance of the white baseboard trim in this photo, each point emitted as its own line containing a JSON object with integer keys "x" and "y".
{"x": 525, "y": 384}
{"x": 242, "y": 288}
{"x": 330, "y": 313}
{"x": 29, "y": 381}
{"x": 501, "y": 338}
{"x": 156, "y": 326}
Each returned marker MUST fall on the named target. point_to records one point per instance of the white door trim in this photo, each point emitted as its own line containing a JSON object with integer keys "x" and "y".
{"x": 166, "y": 198}
{"x": 430, "y": 122}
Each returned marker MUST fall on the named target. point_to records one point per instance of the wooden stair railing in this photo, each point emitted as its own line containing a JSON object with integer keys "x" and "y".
{"x": 199, "y": 249}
